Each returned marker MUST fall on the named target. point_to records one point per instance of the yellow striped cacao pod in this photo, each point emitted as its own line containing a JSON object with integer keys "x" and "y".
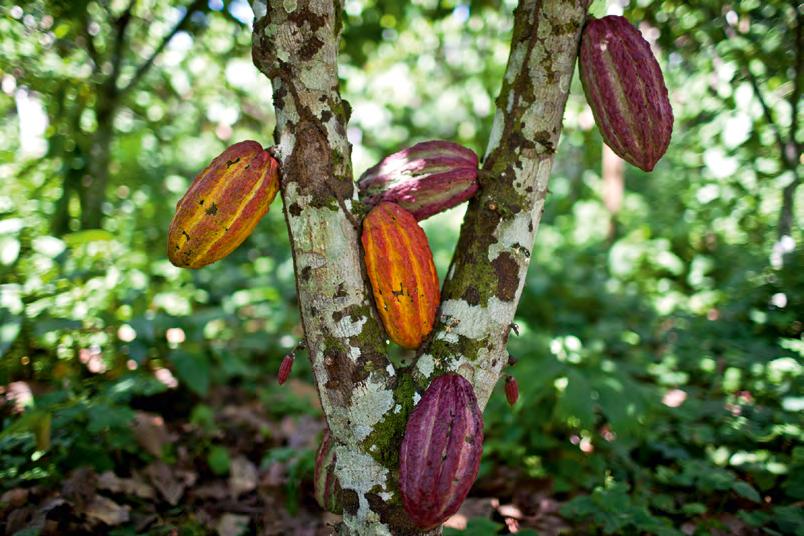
{"x": 402, "y": 274}
{"x": 223, "y": 205}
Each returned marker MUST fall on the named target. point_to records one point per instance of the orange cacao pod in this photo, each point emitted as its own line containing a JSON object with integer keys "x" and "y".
{"x": 402, "y": 274}
{"x": 223, "y": 205}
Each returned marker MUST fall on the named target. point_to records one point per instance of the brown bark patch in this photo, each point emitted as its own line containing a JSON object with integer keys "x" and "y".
{"x": 507, "y": 271}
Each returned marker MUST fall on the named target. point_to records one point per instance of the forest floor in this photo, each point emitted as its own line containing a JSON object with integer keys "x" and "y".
{"x": 256, "y": 480}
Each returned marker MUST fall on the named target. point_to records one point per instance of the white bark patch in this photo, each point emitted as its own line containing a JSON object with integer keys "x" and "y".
{"x": 477, "y": 321}
{"x": 448, "y": 336}
{"x": 310, "y": 260}
{"x": 515, "y": 63}
{"x": 416, "y": 398}
{"x": 316, "y": 77}
{"x": 426, "y": 365}
{"x": 320, "y": 7}
{"x": 510, "y": 233}
{"x": 360, "y": 472}
{"x": 390, "y": 370}
{"x": 370, "y": 402}
{"x": 354, "y": 353}
{"x": 494, "y": 141}
{"x": 346, "y": 327}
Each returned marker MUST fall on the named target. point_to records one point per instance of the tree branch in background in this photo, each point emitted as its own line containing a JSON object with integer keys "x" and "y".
{"x": 121, "y": 25}
{"x": 92, "y": 51}
{"x": 613, "y": 187}
{"x": 789, "y": 148}
{"x": 142, "y": 70}
{"x": 792, "y": 151}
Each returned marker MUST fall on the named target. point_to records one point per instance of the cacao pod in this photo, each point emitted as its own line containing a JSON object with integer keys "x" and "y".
{"x": 327, "y": 487}
{"x": 223, "y": 205}
{"x": 285, "y": 367}
{"x": 625, "y": 88}
{"x": 511, "y": 390}
{"x": 424, "y": 179}
{"x": 440, "y": 454}
{"x": 403, "y": 277}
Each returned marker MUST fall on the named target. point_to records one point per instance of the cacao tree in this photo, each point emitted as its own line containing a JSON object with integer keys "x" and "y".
{"x": 366, "y": 399}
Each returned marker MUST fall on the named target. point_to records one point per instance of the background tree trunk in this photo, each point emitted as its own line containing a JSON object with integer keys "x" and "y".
{"x": 366, "y": 399}
{"x": 613, "y": 187}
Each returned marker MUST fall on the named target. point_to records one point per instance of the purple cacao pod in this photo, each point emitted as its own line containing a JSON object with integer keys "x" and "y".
{"x": 441, "y": 449}
{"x": 285, "y": 367}
{"x": 424, "y": 179}
{"x": 511, "y": 390}
{"x": 327, "y": 487}
{"x": 625, "y": 89}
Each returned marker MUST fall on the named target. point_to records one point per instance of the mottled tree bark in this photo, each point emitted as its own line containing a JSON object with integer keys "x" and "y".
{"x": 366, "y": 399}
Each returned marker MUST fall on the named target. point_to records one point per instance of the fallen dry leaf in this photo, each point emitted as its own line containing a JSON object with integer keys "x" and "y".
{"x": 14, "y": 498}
{"x": 162, "y": 477}
{"x": 150, "y": 432}
{"x": 107, "y": 511}
{"x": 232, "y": 525}
{"x": 108, "y": 481}
{"x": 243, "y": 476}
{"x": 79, "y": 488}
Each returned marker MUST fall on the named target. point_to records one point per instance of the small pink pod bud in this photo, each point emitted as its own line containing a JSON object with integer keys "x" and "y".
{"x": 285, "y": 368}
{"x": 511, "y": 390}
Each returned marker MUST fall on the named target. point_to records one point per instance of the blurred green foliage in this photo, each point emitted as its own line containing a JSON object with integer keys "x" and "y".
{"x": 659, "y": 363}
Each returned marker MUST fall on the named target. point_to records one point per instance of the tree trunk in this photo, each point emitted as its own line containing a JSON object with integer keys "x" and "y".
{"x": 365, "y": 398}
{"x": 613, "y": 187}
{"x": 92, "y": 192}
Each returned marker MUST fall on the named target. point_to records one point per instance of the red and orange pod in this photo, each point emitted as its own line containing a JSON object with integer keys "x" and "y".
{"x": 223, "y": 205}
{"x": 403, "y": 277}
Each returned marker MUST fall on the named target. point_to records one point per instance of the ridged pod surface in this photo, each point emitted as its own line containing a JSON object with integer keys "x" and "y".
{"x": 327, "y": 487}
{"x": 400, "y": 266}
{"x": 424, "y": 179}
{"x": 625, "y": 88}
{"x": 223, "y": 205}
{"x": 440, "y": 454}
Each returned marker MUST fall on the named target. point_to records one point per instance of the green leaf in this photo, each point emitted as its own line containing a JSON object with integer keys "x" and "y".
{"x": 192, "y": 370}
{"x": 83, "y": 237}
{"x": 575, "y": 403}
{"x": 218, "y": 460}
{"x": 746, "y": 490}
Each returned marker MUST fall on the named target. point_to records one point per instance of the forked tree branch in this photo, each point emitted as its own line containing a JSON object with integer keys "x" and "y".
{"x": 366, "y": 399}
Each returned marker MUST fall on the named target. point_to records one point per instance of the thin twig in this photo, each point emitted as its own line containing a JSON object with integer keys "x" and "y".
{"x": 142, "y": 70}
